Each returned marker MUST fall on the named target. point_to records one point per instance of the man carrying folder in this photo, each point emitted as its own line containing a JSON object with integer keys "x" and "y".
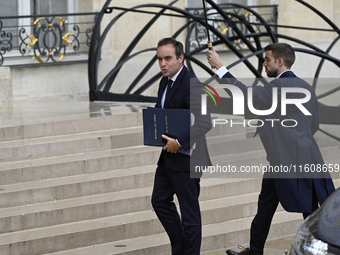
{"x": 173, "y": 175}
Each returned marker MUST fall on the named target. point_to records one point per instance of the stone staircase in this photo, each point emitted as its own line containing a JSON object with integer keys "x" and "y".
{"x": 83, "y": 187}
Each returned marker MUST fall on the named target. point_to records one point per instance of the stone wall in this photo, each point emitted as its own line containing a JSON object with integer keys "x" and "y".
{"x": 293, "y": 13}
{"x": 5, "y": 90}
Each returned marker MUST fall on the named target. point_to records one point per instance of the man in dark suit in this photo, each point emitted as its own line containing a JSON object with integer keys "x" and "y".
{"x": 173, "y": 174}
{"x": 291, "y": 145}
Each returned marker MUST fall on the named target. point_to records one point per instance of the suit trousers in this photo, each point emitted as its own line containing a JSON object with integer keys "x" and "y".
{"x": 185, "y": 232}
{"x": 267, "y": 204}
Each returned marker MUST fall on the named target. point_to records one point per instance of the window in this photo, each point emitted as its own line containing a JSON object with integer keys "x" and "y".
{"x": 51, "y": 7}
{"x": 42, "y": 7}
{"x": 243, "y": 2}
{"x": 49, "y": 39}
{"x": 9, "y": 26}
{"x": 30, "y": 7}
{"x": 198, "y": 33}
{"x": 198, "y": 4}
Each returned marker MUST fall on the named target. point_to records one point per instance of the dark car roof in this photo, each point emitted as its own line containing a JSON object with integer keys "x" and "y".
{"x": 326, "y": 223}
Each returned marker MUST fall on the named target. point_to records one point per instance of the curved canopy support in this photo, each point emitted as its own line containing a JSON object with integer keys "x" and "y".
{"x": 247, "y": 33}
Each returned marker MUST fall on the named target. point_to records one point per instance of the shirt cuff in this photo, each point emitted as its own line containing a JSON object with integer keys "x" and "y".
{"x": 222, "y": 71}
{"x": 178, "y": 143}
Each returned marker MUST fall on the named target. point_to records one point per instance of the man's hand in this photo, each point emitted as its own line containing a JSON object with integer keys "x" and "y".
{"x": 172, "y": 145}
{"x": 214, "y": 59}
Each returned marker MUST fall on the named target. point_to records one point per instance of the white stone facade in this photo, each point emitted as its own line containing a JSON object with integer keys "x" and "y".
{"x": 71, "y": 81}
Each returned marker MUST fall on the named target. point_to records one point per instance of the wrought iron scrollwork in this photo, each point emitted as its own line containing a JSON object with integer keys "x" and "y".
{"x": 242, "y": 30}
{"x": 49, "y": 39}
{"x": 238, "y": 17}
{"x": 46, "y": 39}
{"x": 199, "y": 32}
{"x": 5, "y": 43}
{"x": 88, "y": 32}
{"x": 101, "y": 90}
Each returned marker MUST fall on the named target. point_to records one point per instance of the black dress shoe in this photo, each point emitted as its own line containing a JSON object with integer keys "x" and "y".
{"x": 245, "y": 251}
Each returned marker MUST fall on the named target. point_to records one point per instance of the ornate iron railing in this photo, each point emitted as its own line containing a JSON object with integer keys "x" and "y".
{"x": 47, "y": 39}
{"x": 240, "y": 27}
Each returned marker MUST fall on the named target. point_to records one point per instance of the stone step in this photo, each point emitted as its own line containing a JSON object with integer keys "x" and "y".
{"x": 94, "y": 183}
{"x": 78, "y": 136}
{"x": 72, "y": 126}
{"x": 113, "y": 204}
{"x": 130, "y": 225}
{"x": 75, "y": 186}
{"x": 41, "y": 169}
{"x": 223, "y": 145}
{"x": 68, "y": 190}
{"x": 232, "y": 233}
{"x": 329, "y": 152}
{"x": 87, "y": 184}
{"x": 334, "y": 167}
{"x": 53, "y": 146}
{"x": 77, "y": 164}
{"x": 222, "y": 130}
{"x": 51, "y": 189}
{"x": 228, "y": 145}
{"x": 83, "y": 160}
{"x": 75, "y": 209}
{"x": 231, "y": 165}
{"x": 58, "y": 212}
{"x": 107, "y": 230}
{"x": 87, "y": 123}
{"x": 215, "y": 236}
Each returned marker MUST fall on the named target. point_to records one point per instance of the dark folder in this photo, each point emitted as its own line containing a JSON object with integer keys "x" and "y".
{"x": 172, "y": 122}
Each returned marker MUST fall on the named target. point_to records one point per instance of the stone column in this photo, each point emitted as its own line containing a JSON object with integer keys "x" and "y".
{"x": 6, "y": 99}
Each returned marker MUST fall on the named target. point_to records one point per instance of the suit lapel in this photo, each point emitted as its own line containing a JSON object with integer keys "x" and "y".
{"x": 175, "y": 86}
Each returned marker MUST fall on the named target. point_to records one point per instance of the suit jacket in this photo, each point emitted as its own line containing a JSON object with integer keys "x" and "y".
{"x": 292, "y": 147}
{"x": 185, "y": 95}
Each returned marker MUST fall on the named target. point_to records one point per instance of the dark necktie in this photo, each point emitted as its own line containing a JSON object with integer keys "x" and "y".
{"x": 168, "y": 88}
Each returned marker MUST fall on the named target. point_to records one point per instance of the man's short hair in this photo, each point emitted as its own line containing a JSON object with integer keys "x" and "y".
{"x": 284, "y": 51}
{"x": 178, "y": 45}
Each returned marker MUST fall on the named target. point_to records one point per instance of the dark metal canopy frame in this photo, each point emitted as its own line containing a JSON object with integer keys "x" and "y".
{"x": 245, "y": 33}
